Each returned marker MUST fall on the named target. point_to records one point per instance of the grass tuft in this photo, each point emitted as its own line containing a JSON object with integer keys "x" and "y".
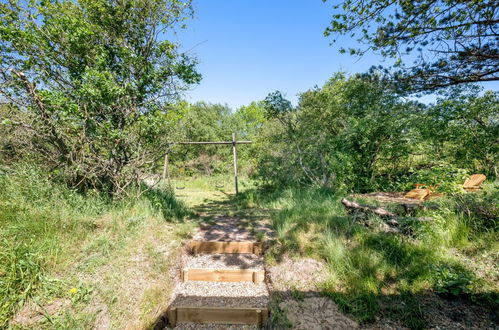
{"x": 59, "y": 245}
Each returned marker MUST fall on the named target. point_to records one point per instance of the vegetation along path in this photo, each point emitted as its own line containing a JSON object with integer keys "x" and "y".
{"x": 317, "y": 268}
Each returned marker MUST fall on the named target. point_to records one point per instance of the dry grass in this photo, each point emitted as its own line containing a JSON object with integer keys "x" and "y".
{"x": 78, "y": 262}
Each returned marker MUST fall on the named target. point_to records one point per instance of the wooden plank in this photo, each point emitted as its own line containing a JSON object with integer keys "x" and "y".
{"x": 218, "y": 315}
{"x": 225, "y": 247}
{"x": 224, "y": 275}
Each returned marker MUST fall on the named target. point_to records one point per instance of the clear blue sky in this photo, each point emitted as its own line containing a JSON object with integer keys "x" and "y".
{"x": 248, "y": 48}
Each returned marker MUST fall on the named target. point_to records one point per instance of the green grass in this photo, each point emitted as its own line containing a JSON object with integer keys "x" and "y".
{"x": 85, "y": 251}
{"x": 89, "y": 251}
{"x": 372, "y": 273}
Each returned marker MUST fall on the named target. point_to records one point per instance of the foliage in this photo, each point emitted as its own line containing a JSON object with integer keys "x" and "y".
{"x": 88, "y": 82}
{"x": 203, "y": 121}
{"x": 20, "y": 277}
{"x": 338, "y": 135}
{"x": 480, "y": 209}
{"x": 463, "y": 129}
{"x": 276, "y": 105}
{"x": 443, "y": 177}
{"x": 451, "y": 42}
{"x": 356, "y": 134}
{"x": 453, "y": 281}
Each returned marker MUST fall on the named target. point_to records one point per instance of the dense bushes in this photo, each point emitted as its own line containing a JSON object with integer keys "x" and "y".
{"x": 338, "y": 135}
{"x": 356, "y": 134}
{"x": 86, "y": 84}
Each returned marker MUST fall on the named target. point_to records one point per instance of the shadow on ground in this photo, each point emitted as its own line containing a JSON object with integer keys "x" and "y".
{"x": 313, "y": 310}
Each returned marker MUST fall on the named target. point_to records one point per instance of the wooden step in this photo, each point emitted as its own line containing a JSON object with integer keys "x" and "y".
{"x": 226, "y": 247}
{"x": 224, "y": 275}
{"x": 218, "y": 315}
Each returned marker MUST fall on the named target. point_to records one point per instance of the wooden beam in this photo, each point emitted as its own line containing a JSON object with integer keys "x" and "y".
{"x": 218, "y": 315}
{"x": 224, "y": 275}
{"x": 226, "y": 247}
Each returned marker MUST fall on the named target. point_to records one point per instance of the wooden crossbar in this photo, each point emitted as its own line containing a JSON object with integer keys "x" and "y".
{"x": 225, "y": 247}
{"x": 218, "y": 315}
{"x": 224, "y": 275}
{"x": 234, "y": 143}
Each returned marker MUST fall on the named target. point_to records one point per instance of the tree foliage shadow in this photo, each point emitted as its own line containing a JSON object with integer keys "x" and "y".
{"x": 420, "y": 310}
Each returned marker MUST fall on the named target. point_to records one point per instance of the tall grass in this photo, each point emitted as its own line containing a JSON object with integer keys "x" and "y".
{"x": 46, "y": 229}
{"x": 370, "y": 269}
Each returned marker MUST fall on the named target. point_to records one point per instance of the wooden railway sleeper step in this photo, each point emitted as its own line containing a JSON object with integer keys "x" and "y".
{"x": 218, "y": 315}
{"x": 197, "y": 247}
{"x": 221, "y": 315}
{"x": 223, "y": 275}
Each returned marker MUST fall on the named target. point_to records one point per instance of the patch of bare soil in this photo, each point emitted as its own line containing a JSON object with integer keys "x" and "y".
{"x": 302, "y": 274}
{"x": 31, "y": 313}
{"x": 316, "y": 313}
{"x": 300, "y": 277}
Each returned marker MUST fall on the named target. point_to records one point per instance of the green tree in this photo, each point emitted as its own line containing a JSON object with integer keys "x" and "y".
{"x": 88, "y": 82}
{"x": 463, "y": 129}
{"x": 204, "y": 121}
{"x": 451, "y": 42}
{"x": 339, "y": 136}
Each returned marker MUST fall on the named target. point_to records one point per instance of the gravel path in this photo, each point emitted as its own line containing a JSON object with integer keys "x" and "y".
{"x": 224, "y": 228}
{"x": 224, "y": 261}
{"x": 221, "y": 294}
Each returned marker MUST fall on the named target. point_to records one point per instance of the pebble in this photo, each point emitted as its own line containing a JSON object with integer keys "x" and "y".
{"x": 221, "y": 294}
{"x": 224, "y": 261}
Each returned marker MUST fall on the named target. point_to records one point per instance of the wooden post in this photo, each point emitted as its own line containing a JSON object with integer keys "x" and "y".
{"x": 166, "y": 172}
{"x": 259, "y": 318}
{"x": 234, "y": 153}
{"x": 172, "y": 317}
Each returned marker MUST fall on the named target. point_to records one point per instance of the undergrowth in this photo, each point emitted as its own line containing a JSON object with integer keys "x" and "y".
{"x": 59, "y": 245}
{"x": 370, "y": 270}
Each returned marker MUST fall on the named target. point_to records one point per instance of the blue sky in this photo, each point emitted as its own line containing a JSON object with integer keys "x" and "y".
{"x": 248, "y": 48}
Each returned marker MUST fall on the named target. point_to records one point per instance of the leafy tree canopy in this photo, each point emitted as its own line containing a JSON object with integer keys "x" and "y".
{"x": 89, "y": 82}
{"x": 451, "y": 42}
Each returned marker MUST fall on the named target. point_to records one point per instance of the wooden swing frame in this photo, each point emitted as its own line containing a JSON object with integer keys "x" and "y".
{"x": 234, "y": 143}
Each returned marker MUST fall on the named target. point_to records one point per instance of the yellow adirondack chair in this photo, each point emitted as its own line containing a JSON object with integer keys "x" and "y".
{"x": 474, "y": 182}
{"x": 419, "y": 193}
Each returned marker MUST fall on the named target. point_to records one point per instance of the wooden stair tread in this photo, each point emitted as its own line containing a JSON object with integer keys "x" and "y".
{"x": 225, "y": 247}
{"x": 223, "y": 275}
{"x": 218, "y": 315}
